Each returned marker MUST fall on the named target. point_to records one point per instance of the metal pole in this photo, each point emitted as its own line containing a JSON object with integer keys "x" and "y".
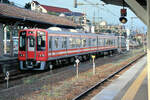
{"x": 77, "y": 70}
{"x": 1, "y": 39}
{"x": 148, "y": 46}
{"x": 5, "y": 40}
{"x": 11, "y": 40}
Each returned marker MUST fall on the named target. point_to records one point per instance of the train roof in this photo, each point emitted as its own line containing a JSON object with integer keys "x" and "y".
{"x": 73, "y": 33}
{"x": 79, "y": 33}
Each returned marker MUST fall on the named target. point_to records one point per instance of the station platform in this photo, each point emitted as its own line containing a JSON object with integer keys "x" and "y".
{"x": 131, "y": 85}
{"x": 6, "y": 61}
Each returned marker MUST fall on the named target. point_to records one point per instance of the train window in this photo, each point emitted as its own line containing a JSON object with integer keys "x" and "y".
{"x": 50, "y": 42}
{"x": 89, "y": 42}
{"x": 73, "y": 43}
{"x": 64, "y": 42}
{"x": 31, "y": 41}
{"x": 70, "y": 42}
{"x": 22, "y": 44}
{"x": 56, "y": 42}
{"x": 41, "y": 41}
{"x": 94, "y": 42}
{"x": 99, "y": 41}
{"x": 84, "y": 42}
{"x": 78, "y": 42}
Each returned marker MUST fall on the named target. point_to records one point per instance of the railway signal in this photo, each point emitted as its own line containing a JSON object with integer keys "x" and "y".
{"x": 123, "y": 20}
{"x": 123, "y": 13}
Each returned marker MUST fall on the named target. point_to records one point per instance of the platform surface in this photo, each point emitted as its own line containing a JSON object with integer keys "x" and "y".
{"x": 125, "y": 87}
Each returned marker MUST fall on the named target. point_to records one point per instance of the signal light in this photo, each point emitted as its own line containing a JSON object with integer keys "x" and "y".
{"x": 123, "y": 20}
{"x": 123, "y": 12}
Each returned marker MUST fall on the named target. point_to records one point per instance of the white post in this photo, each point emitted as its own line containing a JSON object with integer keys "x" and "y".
{"x": 7, "y": 78}
{"x": 127, "y": 40}
{"x": 77, "y": 67}
{"x": 93, "y": 57}
{"x": 148, "y": 46}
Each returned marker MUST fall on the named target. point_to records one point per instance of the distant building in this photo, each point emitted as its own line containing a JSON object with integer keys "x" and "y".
{"x": 103, "y": 27}
{"x": 48, "y": 9}
{"x": 77, "y": 17}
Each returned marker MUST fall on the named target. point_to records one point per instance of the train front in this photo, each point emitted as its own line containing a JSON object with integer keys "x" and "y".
{"x": 32, "y": 52}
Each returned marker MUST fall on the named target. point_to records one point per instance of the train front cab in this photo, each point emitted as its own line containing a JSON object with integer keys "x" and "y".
{"x": 32, "y": 52}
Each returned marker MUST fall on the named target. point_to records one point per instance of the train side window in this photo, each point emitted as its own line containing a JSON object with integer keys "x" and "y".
{"x": 64, "y": 42}
{"x": 99, "y": 41}
{"x": 41, "y": 41}
{"x": 78, "y": 42}
{"x": 84, "y": 42}
{"x": 70, "y": 42}
{"x": 94, "y": 42}
{"x": 56, "y": 42}
{"x": 50, "y": 42}
{"x": 89, "y": 42}
{"x": 74, "y": 43}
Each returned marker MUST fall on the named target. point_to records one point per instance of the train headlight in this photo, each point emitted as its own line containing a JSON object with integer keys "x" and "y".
{"x": 38, "y": 61}
{"x": 42, "y": 55}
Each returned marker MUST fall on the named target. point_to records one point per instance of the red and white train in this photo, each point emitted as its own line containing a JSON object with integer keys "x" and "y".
{"x": 40, "y": 48}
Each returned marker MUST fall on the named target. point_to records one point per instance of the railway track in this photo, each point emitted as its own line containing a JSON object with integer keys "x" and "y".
{"x": 93, "y": 88}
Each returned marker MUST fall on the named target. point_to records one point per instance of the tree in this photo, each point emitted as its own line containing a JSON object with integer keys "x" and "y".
{"x": 27, "y": 5}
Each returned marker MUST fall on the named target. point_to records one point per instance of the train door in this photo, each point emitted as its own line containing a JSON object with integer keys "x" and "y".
{"x": 41, "y": 46}
{"x": 31, "y": 47}
{"x": 64, "y": 45}
{"x": 22, "y": 45}
{"x": 50, "y": 46}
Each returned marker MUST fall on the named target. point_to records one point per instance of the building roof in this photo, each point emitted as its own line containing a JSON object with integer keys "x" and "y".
{"x": 14, "y": 13}
{"x": 55, "y": 9}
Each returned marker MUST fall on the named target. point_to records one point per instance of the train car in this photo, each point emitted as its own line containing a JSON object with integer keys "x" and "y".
{"x": 40, "y": 48}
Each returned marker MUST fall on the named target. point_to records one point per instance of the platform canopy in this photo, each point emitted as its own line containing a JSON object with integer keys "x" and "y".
{"x": 11, "y": 14}
{"x": 120, "y": 2}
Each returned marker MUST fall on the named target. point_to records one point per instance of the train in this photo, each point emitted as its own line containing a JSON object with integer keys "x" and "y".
{"x": 39, "y": 49}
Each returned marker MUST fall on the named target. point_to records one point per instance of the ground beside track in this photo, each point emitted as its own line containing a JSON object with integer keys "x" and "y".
{"x": 64, "y": 85}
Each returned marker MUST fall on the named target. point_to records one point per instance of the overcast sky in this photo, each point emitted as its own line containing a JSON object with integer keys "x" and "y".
{"x": 108, "y": 13}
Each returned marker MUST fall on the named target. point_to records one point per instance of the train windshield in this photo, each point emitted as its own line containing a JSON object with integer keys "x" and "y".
{"x": 22, "y": 44}
{"x": 41, "y": 41}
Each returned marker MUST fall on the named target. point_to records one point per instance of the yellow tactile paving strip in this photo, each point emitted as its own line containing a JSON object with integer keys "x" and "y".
{"x": 131, "y": 92}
